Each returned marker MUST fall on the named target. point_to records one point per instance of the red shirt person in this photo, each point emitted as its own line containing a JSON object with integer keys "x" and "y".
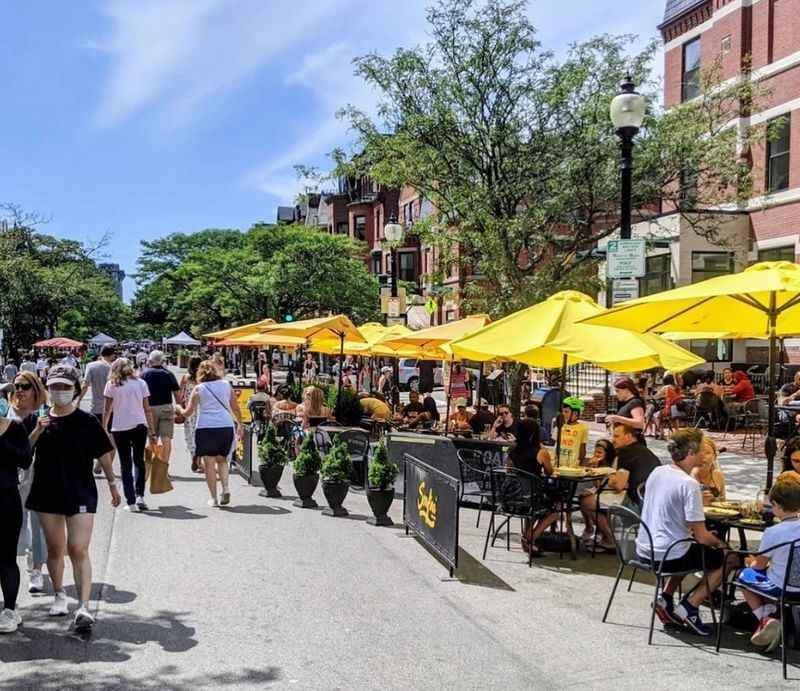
{"x": 743, "y": 389}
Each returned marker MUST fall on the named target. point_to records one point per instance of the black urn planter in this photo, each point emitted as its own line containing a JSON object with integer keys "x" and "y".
{"x": 305, "y": 486}
{"x": 379, "y": 501}
{"x": 270, "y": 477}
{"x": 335, "y": 491}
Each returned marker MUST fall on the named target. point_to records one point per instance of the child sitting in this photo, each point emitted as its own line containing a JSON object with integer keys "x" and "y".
{"x": 766, "y": 573}
{"x": 574, "y": 433}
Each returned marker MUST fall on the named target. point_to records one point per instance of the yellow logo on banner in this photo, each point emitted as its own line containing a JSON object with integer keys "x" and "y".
{"x": 426, "y": 505}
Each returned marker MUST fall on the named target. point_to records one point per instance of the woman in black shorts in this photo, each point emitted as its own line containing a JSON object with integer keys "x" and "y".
{"x": 15, "y": 453}
{"x": 64, "y": 492}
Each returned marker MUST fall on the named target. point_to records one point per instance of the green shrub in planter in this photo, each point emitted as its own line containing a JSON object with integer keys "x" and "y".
{"x": 382, "y": 471}
{"x": 308, "y": 460}
{"x": 336, "y": 466}
{"x": 270, "y": 450}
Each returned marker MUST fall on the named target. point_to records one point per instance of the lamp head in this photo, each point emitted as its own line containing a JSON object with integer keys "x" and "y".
{"x": 393, "y": 231}
{"x": 628, "y": 108}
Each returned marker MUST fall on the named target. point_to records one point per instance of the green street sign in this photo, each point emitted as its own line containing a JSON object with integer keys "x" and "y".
{"x": 430, "y": 306}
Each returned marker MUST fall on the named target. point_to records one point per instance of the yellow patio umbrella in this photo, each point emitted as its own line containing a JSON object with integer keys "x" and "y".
{"x": 762, "y": 300}
{"x": 371, "y": 332}
{"x": 434, "y": 343}
{"x": 338, "y": 326}
{"x": 267, "y": 340}
{"x": 243, "y": 330}
{"x": 547, "y": 335}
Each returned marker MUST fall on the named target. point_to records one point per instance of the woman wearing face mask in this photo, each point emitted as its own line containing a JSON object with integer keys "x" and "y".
{"x": 64, "y": 492}
{"x": 28, "y": 396}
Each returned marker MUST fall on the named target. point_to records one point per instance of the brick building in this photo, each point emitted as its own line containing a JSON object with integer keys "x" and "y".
{"x": 765, "y": 33}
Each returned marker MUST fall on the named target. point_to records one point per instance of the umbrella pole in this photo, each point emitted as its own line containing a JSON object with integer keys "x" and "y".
{"x": 559, "y": 416}
{"x": 449, "y": 390}
{"x": 770, "y": 444}
{"x": 269, "y": 367}
{"x": 341, "y": 367}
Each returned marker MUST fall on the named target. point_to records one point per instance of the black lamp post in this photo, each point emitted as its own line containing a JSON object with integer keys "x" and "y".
{"x": 393, "y": 232}
{"x": 627, "y": 115}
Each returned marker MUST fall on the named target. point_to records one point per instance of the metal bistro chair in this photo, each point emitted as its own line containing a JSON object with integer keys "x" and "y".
{"x": 358, "y": 449}
{"x": 286, "y": 429}
{"x": 625, "y": 526}
{"x": 531, "y": 504}
{"x": 707, "y": 410}
{"x": 476, "y": 491}
{"x": 786, "y": 601}
{"x": 753, "y": 419}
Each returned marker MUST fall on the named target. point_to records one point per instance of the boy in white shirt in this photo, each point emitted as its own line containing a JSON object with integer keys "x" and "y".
{"x": 767, "y": 572}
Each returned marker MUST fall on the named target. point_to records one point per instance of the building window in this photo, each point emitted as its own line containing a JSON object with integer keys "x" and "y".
{"x": 691, "y": 70}
{"x": 343, "y": 228}
{"x": 408, "y": 266}
{"x": 658, "y": 276}
{"x": 725, "y": 46}
{"x": 778, "y": 154}
{"x": 408, "y": 213}
{"x": 361, "y": 227}
{"x": 376, "y": 264}
{"x": 712, "y": 350}
{"x": 777, "y": 254}
{"x": 449, "y": 315}
{"x": 709, "y": 264}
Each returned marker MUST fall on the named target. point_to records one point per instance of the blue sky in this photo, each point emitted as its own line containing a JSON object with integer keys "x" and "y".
{"x": 139, "y": 118}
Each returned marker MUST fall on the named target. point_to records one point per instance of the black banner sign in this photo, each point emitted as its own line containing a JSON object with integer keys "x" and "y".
{"x": 430, "y": 508}
{"x": 244, "y": 453}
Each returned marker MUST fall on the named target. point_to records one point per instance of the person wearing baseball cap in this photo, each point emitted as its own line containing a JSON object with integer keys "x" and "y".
{"x": 459, "y": 420}
{"x": 64, "y": 492}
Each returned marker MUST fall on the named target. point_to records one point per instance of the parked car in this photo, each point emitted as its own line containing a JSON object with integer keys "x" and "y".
{"x": 408, "y": 374}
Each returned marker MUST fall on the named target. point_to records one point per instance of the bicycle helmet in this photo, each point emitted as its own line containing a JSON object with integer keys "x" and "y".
{"x": 574, "y": 403}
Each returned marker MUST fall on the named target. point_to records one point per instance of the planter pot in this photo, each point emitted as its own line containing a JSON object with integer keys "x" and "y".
{"x": 379, "y": 501}
{"x": 270, "y": 477}
{"x": 305, "y": 486}
{"x": 335, "y": 491}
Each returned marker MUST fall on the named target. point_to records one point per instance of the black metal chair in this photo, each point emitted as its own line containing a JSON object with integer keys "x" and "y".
{"x": 707, "y": 409}
{"x": 753, "y": 420}
{"x": 476, "y": 491}
{"x": 625, "y": 527}
{"x": 358, "y": 448}
{"x": 531, "y": 503}
{"x": 786, "y": 601}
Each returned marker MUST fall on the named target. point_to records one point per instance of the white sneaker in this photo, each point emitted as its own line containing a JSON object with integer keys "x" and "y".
{"x": 83, "y": 619}
{"x": 140, "y": 504}
{"x": 212, "y": 502}
{"x": 132, "y": 508}
{"x": 60, "y": 606}
{"x": 9, "y": 621}
{"x": 37, "y": 582}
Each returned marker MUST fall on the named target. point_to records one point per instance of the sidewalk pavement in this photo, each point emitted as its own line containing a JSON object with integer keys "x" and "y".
{"x": 266, "y": 595}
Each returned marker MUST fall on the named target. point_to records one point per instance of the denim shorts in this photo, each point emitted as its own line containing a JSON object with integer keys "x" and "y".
{"x": 758, "y": 581}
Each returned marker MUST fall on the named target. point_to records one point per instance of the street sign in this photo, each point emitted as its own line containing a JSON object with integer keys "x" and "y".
{"x": 624, "y": 289}
{"x": 389, "y": 303}
{"x": 625, "y": 259}
{"x": 430, "y": 306}
{"x": 393, "y": 307}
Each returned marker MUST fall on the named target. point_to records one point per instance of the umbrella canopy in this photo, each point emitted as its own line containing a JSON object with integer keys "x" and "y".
{"x": 338, "y": 327}
{"x": 182, "y": 339}
{"x": 102, "y": 339}
{"x": 547, "y": 335}
{"x": 262, "y": 340}
{"x": 58, "y": 342}
{"x": 763, "y": 300}
{"x": 708, "y": 335}
{"x": 243, "y": 330}
{"x": 434, "y": 343}
{"x": 370, "y": 332}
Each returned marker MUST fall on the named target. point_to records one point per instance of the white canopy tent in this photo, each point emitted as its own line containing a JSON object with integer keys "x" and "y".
{"x": 182, "y": 339}
{"x": 102, "y": 339}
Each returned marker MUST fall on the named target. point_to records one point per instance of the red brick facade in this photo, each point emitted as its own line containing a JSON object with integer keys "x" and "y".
{"x": 767, "y": 33}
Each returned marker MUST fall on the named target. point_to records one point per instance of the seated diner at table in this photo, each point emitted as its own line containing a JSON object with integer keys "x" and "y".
{"x": 603, "y": 456}
{"x": 483, "y": 419}
{"x": 790, "y": 393}
{"x": 708, "y": 473}
{"x": 283, "y": 402}
{"x": 531, "y": 457}
{"x": 411, "y": 409}
{"x": 505, "y": 426}
{"x": 742, "y": 390}
{"x": 574, "y": 433}
{"x": 672, "y": 395}
{"x": 374, "y": 408}
{"x": 459, "y": 419}
{"x": 727, "y": 382}
{"x": 673, "y": 510}
{"x": 631, "y": 411}
{"x": 791, "y": 455}
{"x": 766, "y": 573}
{"x": 313, "y": 406}
{"x": 431, "y": 409}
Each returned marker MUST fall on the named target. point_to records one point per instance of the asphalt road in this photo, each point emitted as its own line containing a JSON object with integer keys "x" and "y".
{"x": 265, "y": 595}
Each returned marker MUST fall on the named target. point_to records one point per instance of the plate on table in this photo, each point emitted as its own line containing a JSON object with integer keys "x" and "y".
{"x": 574, "y": 471}
{"x": 731, "y": 505}
{"x": 758, "y": 522}
{"x": 716, "y": 512}
{"x": 601, "y": 471}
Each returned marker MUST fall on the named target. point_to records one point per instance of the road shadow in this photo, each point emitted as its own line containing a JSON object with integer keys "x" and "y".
{"x": 115, "y": 639}
{"x": 470, "y": 571}
{"x": 164, "y": 678}
{"x": 256, "y": 509}
{"x": 104, "y": 592}
{"x": 176, "y": 513}
{"x": 188, "y": 478}
{"x": 356, "y": 517}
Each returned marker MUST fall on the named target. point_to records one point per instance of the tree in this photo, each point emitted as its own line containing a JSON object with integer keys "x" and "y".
{"x": 216, "y": 278}
{"x": 518, "y": 154}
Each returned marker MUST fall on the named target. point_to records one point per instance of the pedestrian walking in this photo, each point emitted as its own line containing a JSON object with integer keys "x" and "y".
{"x": 127, "y": 400}
{"x": 64, "y": 492}
{"x": 28, "y": 365}
{"x": 164, "y": 391}
{"x": 188, "y": 382}
{"x": 219, "y": 422}
{"x": 28, "y": 396}
{"x": 95, "y": 378}
{"x": 10, "y": 371}
{"x": 15, "y": 454}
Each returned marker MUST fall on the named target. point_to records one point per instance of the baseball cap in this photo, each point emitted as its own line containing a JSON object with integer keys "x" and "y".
{"x": 386, "y": 369}
{"x": 63, "y": 374}
{"x": 624, "y": 383}
{"x": 461, "y": 402}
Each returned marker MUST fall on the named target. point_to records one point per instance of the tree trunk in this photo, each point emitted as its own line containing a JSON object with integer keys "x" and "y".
{"x": 514, "y": 372}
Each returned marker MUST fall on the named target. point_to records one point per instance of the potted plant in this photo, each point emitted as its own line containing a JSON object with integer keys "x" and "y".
{"x": 272, "y": 458}
{"x": 335, "y": 473}
{"x": 346, "y": 406}
{"x": 380, "y": 493}
{"x": 306, "y": 473}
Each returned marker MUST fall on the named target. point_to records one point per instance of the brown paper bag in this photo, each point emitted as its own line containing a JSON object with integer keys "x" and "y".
{"x": 156, "y": 470}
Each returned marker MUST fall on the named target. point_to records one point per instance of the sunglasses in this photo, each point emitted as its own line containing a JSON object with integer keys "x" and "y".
{"x": 23, "y": 387}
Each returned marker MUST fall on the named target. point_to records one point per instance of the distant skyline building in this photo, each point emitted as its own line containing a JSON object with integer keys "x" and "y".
{"x": 115, "y": 273}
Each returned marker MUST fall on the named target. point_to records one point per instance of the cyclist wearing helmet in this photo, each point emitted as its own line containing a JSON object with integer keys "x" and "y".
{"x": 574, "y": 433}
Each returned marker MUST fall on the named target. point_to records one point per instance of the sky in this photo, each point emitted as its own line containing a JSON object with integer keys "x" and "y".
{"x": 139, "y": 118}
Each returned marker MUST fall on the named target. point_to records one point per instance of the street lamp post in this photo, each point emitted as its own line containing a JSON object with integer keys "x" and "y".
{"x": 393, "y": 232}
{"x": 627, "y": 114}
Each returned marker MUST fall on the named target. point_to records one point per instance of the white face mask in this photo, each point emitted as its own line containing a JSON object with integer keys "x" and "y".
{"x": 61, "y": 398}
